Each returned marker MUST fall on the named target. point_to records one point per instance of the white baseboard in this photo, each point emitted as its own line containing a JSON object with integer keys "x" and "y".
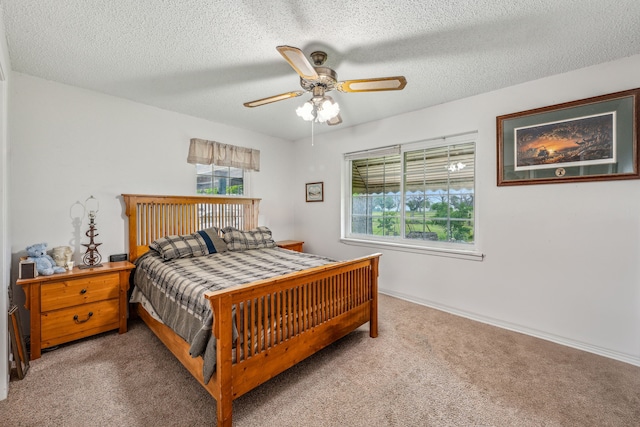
{"x": 601, "y": 351}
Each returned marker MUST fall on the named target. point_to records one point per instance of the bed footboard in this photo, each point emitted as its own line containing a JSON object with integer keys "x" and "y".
{"x": 284, "y": 320}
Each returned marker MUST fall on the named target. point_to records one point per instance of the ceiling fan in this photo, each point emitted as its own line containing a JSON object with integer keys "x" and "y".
{"x": 319, "y": 80}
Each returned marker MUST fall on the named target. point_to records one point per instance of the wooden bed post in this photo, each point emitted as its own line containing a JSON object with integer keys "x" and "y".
{"x": 222, "y": 330}
{"x": 132, "y": 215}
{"x": 373, "y": 319}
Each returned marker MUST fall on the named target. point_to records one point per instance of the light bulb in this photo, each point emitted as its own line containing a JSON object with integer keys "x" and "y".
{"x": 327, "y": 110}
{"x": 306, "y": 111}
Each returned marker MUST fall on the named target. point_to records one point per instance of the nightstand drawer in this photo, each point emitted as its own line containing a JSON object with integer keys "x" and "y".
{"x": 79, "y": 321}
{"x": 79, "y": 291}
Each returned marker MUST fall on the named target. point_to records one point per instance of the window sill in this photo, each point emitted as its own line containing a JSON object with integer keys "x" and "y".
{"x": 470, "y": 255}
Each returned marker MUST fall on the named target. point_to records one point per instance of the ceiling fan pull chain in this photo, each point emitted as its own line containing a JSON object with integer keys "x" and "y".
{"x": 312, "y": 132}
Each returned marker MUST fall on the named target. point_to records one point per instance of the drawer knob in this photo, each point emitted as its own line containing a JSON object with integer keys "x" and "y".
{"x": 84, "y": 291}
{"x": 75, "y": 318}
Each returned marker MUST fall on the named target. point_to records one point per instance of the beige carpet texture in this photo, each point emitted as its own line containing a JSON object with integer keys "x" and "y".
{"x": 426, "y": 368}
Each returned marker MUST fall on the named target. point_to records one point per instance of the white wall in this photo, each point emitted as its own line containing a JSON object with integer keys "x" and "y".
{"x": 5, "y": 238}
{"x": 69, "y": 143}
{"x": 561, "y": 260}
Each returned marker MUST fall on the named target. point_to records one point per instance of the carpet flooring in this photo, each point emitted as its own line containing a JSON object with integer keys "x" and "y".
{"x": 427, "y": 368}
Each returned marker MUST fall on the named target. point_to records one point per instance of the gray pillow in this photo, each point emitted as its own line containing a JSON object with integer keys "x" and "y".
{"x": 203, "y": 242}
{"x": 257, "y": 238}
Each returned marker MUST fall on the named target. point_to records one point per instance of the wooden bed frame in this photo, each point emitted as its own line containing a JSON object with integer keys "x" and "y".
{"x": 291, "y": 317}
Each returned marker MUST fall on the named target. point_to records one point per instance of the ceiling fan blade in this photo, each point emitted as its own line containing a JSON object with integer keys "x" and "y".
{"x": 373, "y": 85}
{"x": 298, "y": 61}
{"x": 335, "y": 121}
{"x": 274, "y": 98}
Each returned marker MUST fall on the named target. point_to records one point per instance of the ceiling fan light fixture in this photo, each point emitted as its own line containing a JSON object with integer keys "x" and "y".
{"x": 318, "y": 109}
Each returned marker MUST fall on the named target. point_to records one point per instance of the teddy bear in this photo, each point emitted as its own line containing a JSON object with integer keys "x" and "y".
{"x": 45, "y": 265}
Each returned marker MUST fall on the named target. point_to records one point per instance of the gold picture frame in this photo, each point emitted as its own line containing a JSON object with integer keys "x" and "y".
{"x": 592, "y": 139}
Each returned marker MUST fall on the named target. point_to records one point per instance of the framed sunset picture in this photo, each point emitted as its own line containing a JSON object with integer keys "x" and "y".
{"x": 586, "y": 140}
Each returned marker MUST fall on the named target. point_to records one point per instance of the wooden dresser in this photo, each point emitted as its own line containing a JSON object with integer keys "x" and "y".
{"x": 293, "y": 245}
{"x": 76, "y": 304}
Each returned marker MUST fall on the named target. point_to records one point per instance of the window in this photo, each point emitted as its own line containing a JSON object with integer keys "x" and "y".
{"x": 220, "y": 168}
{"x": 212, "y": 179}
{"x": 417, "y": 194}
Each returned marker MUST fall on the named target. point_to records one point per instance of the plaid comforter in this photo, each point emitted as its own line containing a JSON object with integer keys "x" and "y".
{"x": 175, "y": 288}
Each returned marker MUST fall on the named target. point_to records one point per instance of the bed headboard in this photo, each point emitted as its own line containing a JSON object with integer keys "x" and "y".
{"x": 152, "y": 217}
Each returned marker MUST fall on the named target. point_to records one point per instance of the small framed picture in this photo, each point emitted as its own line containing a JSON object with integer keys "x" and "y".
{"x": 315, "y": 192}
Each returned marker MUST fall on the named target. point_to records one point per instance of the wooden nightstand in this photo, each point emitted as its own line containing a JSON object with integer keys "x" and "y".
{"x": 293, "y": 245}
{"x": 76, "y": 304}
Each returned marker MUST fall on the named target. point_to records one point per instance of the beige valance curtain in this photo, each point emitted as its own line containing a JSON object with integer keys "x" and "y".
{"x": 206, "y": 152}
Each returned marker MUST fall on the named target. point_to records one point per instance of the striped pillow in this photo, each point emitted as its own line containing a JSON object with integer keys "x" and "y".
{"x": 257, "y": 238}
{"x": 203, "y": 242}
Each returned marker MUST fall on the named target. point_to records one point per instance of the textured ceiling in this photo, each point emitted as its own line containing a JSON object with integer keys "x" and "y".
{"x": 206, "y": 57}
